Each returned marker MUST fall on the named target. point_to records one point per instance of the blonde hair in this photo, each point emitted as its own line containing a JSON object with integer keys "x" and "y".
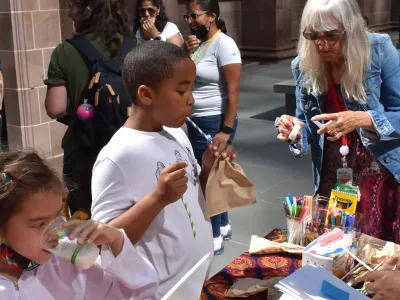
{"x": 328, "y": 15}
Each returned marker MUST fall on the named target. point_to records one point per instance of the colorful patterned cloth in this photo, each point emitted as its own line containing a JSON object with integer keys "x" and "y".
{"x": 255, "y": 266}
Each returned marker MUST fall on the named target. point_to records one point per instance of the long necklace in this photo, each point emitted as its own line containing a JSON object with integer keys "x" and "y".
{"x": 197, "y": 55}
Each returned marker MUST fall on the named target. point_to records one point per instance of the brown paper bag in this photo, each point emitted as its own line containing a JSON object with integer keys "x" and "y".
{"x": 227, "y": 188}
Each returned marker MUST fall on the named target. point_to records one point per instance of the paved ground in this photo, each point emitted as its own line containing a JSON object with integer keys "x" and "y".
{"x": 267, "y": 162}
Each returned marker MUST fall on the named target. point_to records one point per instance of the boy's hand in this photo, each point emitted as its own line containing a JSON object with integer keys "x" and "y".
{"x": 213, "y": 152}
{"x": 97, "y": 233}
{"x": 172, "y": 183}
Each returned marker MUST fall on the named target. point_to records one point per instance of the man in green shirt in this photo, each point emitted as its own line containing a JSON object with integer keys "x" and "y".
{"x": 68, "y": 77}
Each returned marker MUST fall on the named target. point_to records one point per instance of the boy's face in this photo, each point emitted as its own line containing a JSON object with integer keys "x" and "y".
{"x": 172, "y": 102}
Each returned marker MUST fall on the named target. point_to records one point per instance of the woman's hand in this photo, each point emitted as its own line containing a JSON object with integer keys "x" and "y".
{"x": 220, "y": 140}
{"x": 213, "y": 152}
{"x": 149, "y": 28}
{"x": 285, "y": 126}
{"x": 384, "y": 284}
{"x": 192, "y": 43}
{"x": 344, "y": 122}
{"x": 97, "y": 233}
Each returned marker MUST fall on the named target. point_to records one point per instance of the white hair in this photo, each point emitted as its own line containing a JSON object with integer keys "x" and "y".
{"x": 328, "y": 15}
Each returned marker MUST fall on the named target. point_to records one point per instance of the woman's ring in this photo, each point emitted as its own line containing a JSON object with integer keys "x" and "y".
{"x": 333, "y": 132}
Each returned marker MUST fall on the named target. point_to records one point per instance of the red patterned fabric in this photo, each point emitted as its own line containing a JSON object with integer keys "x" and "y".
{"x": 380, "y": 192}
{"x": 253, "y": 266}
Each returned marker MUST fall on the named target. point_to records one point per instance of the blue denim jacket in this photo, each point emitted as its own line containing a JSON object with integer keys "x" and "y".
{"x": 382, "y": 83}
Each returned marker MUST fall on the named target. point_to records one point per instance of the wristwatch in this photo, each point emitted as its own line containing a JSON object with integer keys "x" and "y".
{"x": 227, "y": 130}
{"x": 158, "y": 38}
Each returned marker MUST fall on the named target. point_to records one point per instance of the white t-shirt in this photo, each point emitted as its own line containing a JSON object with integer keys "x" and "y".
{"x": 169, "y": 31}
{"x": 126, "y": 170}
{"x": 209, "y": 89}
{"x": 128, "y": 276}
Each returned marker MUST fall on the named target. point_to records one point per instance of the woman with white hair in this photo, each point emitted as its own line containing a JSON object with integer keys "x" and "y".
{"x": 347, "y": 104}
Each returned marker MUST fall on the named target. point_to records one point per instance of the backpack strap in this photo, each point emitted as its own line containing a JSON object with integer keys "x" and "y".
{"x": 130, "y": 42}
{"x": 86, "y": 49}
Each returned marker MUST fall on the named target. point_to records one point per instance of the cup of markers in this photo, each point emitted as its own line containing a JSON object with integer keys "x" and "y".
{"x": 297, "y": 211}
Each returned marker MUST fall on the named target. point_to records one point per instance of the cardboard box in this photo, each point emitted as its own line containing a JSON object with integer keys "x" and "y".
{"x": 332, "y": 257}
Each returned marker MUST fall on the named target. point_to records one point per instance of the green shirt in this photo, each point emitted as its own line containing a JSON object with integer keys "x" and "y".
{"x": 68, "y": 67}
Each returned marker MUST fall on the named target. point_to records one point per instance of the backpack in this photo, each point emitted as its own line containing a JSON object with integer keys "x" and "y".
{"x": 105, "y": 92}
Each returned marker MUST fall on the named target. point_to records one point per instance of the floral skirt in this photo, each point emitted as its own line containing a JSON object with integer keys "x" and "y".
{"x": 380, "y": 192}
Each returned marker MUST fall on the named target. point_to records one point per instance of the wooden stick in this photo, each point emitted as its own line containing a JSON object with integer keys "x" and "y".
{"x": 357, "y": 259}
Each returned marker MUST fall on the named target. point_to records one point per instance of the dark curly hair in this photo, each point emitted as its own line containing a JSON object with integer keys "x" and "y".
{"x": 106, "y": 19}
{"x": 161, "y": 19}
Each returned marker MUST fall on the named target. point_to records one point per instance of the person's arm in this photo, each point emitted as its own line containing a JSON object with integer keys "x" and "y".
{"x": 387, "y": 123}
{"x": 112, "y": 201}
{"x": 56, "y": 101}
{"x": 230, "y": 65}
{"x": 300, "y": 148}
{"x": 56, "y": 97}
{"x": 231, "y": 75}
{"x": 176, "y": 39}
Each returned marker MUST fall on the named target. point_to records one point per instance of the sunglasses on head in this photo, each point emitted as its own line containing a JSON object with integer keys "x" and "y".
{"x": 142, "y": 11}
{"x": 330, "y": 36}
{"x": 193, "y": 15}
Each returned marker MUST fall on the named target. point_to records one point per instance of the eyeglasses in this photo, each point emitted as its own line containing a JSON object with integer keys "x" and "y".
{"x": 142, "y": 11}
{"x": 193, "y": 16}
{"x": 329, "y": 36}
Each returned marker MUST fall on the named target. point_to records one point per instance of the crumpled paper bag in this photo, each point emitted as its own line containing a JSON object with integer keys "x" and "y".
{"x": 227, "y": 188}
{"x": 373, "y": 252}
{"x": 263, "y": 246}
{"x": 246, "y": 287}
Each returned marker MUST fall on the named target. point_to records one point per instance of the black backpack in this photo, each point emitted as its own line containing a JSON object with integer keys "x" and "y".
{"x": 105, "y": 92}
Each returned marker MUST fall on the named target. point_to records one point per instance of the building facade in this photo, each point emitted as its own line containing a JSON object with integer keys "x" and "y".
{"x": 31, "y": 29}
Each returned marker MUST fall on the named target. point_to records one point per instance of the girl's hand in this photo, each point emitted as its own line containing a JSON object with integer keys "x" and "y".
{"x": 97, "y": 233}
{"x": 149, "y": 28}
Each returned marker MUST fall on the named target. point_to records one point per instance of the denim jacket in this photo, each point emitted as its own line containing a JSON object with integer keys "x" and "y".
{"x": 382, "y": 85}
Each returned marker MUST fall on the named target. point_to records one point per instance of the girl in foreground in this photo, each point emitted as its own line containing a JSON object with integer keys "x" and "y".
{"x": 30, "y": 198}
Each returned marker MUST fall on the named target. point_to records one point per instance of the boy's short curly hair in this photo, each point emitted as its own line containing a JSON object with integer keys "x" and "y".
{"x": 150, "y": 64}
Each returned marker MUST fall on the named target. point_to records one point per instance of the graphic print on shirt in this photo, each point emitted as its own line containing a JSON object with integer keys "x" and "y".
{"x": 194, "y": 172}
{"x": 192, "y": 175}
{"x": 160, "y": 166}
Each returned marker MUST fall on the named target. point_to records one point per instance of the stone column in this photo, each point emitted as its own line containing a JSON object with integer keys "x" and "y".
{"x": 267, "y": 29}
{"x": 30, "y": 31}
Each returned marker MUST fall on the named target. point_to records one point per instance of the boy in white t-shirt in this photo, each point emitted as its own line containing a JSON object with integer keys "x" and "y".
{"x": 146, "y": 179}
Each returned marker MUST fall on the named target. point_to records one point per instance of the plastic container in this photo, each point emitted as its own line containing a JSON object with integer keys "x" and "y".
{"x": 55, "y": 239}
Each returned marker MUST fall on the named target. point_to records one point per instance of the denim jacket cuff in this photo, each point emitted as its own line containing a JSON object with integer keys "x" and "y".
{"x": 276, "y": 125}
{"x": 381, "y": 123}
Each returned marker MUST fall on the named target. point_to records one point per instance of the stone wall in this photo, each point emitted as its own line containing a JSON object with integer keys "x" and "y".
{"x": 30, "y": 31}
